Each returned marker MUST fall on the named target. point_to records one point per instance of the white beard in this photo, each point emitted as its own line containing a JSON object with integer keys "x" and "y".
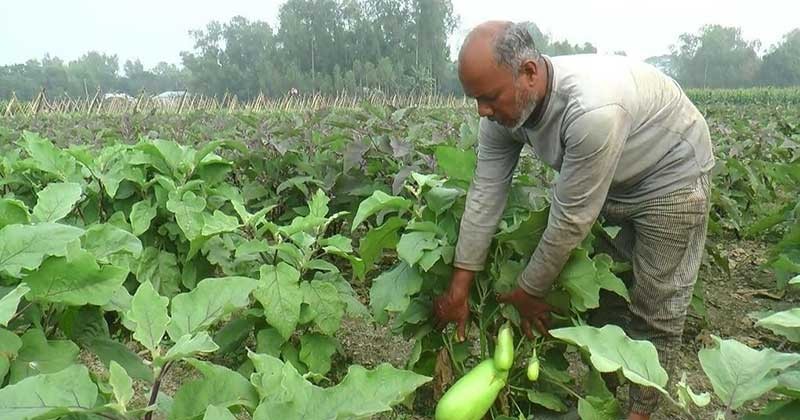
{"x": 527, "y": 109}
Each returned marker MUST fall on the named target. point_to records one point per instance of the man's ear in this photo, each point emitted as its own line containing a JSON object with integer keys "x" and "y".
{"x": 529, "y": 70}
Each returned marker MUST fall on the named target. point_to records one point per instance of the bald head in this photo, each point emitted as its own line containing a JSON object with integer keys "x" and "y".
{"x": 499, "y": 66}
{"x": 480, "y": 41}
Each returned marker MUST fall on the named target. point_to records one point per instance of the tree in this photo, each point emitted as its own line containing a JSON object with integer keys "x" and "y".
{"x": 234, "y": 57}
{"x": 548, "y": 46}
{"x": 717, "y": 56}
{"x": 93, "y": 70}
{"x": 781, "y": 65}
{"x": 665, "y": 63}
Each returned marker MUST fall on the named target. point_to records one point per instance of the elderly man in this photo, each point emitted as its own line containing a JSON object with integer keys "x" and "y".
{"x": 627, "y": 143}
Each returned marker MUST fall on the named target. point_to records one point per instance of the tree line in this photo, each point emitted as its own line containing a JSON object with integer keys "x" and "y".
{"x": 359, "y": 46}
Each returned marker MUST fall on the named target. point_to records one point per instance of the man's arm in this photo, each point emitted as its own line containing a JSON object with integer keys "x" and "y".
{"x": 498, "y": 155}
{"x": 594, "y": 143}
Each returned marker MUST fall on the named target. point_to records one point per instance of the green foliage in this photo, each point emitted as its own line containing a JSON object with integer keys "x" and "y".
{"x": 191, "y": 248}
{"x": 362, "y": 393}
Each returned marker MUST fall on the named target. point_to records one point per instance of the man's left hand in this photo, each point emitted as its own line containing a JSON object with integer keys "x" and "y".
{"x": 531, "y": 309}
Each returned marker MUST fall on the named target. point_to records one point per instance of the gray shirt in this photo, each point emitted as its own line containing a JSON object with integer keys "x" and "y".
{"x": 614, "y": 128}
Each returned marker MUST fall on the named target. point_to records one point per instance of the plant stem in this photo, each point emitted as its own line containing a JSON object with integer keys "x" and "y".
{"x": 154, "y": 392}
{"x": 564, "y": 387}
{"x": 675, "y": 403}
{"x": 17, "y": 315}
{"x": 109, "y": 416}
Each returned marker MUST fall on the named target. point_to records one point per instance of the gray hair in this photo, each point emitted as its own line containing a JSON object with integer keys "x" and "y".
{"x": 513, "y": 45}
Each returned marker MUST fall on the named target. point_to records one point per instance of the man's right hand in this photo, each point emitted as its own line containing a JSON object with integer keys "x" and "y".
{"x": 453, "y": 304}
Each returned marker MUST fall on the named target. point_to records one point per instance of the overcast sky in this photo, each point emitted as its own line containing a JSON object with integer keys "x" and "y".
{"x": 157, "y": 30}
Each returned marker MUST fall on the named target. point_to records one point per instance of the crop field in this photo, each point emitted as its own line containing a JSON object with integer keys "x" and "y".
{"x": 282, "y": 264}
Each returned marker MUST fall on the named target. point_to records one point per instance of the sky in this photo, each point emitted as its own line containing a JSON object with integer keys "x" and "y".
{"x": 158, "y": 30}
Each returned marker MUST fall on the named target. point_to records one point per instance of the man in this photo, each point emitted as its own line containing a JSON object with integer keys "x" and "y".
{"x": 627, "y": 143}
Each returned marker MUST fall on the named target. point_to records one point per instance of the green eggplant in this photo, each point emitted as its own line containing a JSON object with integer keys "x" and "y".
{"x": 472, "y": 395}
{"x": 533, "y": 367}
{"x": 504, "y": 351}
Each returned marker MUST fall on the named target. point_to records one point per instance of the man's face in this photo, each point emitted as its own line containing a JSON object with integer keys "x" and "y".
{"x": 500, "y": 96}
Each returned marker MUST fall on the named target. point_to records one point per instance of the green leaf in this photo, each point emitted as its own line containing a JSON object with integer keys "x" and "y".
{"x": 108, "y": 350}
{"x": 13, "y": 212}
{"x": 161, "y": 269}
{"x": 429, "y": 258}
{"x": 786, "y": 323}
{"x": 371, "y": 246}
{"x": 789, "y": 383}
{"x": 685, "y": 395}
{"x": 321, "y": 265}
{"x": 547, "y": 400}
{"x": 593, "y": 408}
{"x": 524, "y": 235}
{"x": 583, "y": 278}
{"x": 612, "y": 350}
{"x": 316, "y": 351}
{"x": 361, "y": 394}
{"x": 378, "y": 201}
{"x": 739, "y": 373}
{"x": 149, "y": 313}
{"x": 218, "y": 413}
{"x": 56, "y": 201}
{"x": 231, "y": 337}
{"x": 777, "y": 410}
{"x": 455, "y": 163}
{"x": 212, "y": 299}
{"x": 10, "y": 302}
{"x": 189, "y": 346}
{"x": 219, "y": 386}
{"x": 509, "y": 273}
{"x": 83, "y": 323}
{"x": 281, "y": 297}
{"x": 188, "y": 210}
{"x": 269, "y": 341}
{"x": 413, "y": 244}
{"x": 337, "y": 244}
{"x": 121, "y": 383}
{"x": 392, "y": 290}
{"x": 25, "y": 246}
{"x": 318, "y": 205}
{"x": 75, "y": 281}
{"x": 325, "y": 307}
{"x": 440, "y": 199}
{"x": 9, "y": 350}
{"x": 142, "y": 214}
{"x": 219, "y": 222}
{"x": 49, "y": 395}
{"x": 106, "y": 240}
{"x": 606, "y": 278}
{"x": 306, "y": 224}
{"x": 38, "y": 355}
{"x": 47, "y": 158}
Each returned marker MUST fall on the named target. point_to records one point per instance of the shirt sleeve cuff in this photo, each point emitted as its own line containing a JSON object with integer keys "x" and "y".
{"x": 468, "y": 266}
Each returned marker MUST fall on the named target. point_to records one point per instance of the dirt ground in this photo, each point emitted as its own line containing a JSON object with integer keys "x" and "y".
{"x": 728, "y": 302}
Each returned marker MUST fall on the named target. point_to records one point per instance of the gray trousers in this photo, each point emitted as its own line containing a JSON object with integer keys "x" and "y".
{"x": 664, "y": 239}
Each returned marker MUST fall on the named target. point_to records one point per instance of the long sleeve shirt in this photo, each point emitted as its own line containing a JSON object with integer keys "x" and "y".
{"x": 614, "y": 128}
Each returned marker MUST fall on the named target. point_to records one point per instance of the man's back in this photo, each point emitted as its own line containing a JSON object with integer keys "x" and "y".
{"x": 667, "y": 145}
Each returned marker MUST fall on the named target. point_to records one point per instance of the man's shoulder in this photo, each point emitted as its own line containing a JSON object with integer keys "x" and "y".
{"x": 587, "y": 82}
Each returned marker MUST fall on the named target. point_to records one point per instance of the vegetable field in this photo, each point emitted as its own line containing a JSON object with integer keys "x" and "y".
{"x": 281, "y": 265}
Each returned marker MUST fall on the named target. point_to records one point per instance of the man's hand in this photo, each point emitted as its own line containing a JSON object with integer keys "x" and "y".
{"x": 531, "y": 309}
{"x": 453, "y": 304}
